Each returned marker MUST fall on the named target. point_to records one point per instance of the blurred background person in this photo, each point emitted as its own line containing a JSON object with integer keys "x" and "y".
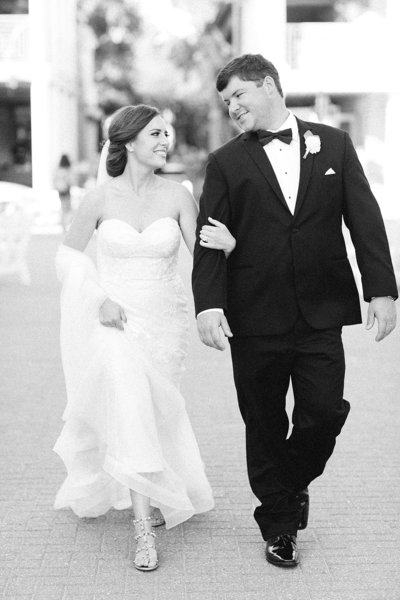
{"x": 63, "y": 180}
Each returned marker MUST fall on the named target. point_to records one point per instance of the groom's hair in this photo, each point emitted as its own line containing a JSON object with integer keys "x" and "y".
{"x": 248, "y": 67}
{"x": 124, "y": 126}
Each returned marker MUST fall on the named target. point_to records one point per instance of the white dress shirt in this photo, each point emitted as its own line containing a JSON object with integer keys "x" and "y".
{"x": 285, "y": 161}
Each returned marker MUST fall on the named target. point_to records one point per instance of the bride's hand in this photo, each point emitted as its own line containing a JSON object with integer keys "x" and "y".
{"x": 112, "y": 315}
{"x": 217, "y": 236}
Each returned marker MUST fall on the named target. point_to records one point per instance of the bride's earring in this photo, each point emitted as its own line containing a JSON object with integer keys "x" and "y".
{"x": 130, "y": 148}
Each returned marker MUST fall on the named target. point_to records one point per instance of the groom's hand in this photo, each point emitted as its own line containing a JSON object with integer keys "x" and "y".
{"x": 384, "y": 311}
{"x": 208, "y": 326}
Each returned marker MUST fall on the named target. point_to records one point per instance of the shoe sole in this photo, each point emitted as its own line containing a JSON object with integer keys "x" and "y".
{"x": 145, "y": 568}
{"x": 289, "y": 564}
{"x": 158, "y": 523}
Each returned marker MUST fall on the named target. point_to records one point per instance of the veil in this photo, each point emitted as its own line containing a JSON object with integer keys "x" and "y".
{"x": 102, "y": 175}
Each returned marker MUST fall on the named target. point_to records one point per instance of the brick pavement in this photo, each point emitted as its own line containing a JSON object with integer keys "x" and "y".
{"x": 350, "y": 550}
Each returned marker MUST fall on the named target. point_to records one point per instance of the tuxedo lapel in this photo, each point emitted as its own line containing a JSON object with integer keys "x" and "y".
{"x": 306, "y": 165}
{"x": 257, "y": 153}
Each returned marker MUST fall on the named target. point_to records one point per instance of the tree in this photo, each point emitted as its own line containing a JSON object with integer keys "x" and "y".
{"x": 116, "y": 25}
{"x": 178, "y": 72}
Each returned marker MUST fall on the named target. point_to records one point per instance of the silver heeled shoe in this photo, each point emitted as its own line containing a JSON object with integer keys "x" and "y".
{"x": 157, "y": 518}
{"x": 145, "y": 530}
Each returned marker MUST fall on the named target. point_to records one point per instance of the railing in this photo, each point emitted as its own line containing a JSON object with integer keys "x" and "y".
{"x": 339, "y": 54}
{"x": 14, "y": 37}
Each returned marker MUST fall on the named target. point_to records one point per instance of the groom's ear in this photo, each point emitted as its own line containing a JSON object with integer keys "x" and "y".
{"x": 268, "y": 84}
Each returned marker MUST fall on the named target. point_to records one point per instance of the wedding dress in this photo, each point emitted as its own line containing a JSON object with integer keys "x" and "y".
{"x": 126, "y": 425}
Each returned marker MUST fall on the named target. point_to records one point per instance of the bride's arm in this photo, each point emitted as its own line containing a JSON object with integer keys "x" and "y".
{"x": 216, "y": 236}
{"x": 90, "y": 209}
{"x": 187, "y": 218}
{"x": 85, "y": 221}
{"x": 82, "y": 228}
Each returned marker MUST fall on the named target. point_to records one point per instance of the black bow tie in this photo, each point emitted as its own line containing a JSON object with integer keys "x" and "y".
{"x": 265, "y": 137}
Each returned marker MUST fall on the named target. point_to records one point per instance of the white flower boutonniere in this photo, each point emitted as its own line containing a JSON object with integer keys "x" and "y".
{"x": 313, "y": 143}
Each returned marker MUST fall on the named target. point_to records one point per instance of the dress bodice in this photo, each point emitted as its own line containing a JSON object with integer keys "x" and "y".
{"x": 125, "y": 254}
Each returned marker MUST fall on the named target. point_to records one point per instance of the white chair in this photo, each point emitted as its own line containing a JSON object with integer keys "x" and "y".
{"x": 15, "y": 223}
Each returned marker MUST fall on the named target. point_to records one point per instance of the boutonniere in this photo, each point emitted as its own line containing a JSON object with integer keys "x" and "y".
{"x": 313, "y": 143}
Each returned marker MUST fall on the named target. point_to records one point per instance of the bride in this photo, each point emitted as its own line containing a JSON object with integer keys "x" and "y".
{"x": 127, "y": 440}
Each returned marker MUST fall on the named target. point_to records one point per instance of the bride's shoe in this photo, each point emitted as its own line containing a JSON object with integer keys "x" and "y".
{"x": 157, "y": 518}
{"x": 146, "y": 553}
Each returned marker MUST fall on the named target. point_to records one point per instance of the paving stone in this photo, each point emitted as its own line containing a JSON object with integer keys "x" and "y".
{"x": 47, "y": 591}
{"x": 77, "y": 593}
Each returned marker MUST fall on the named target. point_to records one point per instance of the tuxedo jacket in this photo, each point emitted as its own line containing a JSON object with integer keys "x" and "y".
{"x": 284, "y": 264}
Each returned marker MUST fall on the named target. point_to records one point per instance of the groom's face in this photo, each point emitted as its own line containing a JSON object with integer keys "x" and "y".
{"x": 248, "y": 103}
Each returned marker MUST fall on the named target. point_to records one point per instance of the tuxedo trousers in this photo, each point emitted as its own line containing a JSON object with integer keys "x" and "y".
{"x": 280, "y": 466}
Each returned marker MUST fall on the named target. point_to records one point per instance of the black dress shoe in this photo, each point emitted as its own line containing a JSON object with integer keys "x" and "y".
{"x": 304, "y": 498}
{"x": 282, "y": 550}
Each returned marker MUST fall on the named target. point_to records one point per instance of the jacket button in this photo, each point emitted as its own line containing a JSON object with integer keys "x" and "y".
{"x": 295, "y": 230}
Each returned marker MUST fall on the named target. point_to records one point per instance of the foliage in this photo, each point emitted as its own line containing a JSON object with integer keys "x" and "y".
{"x": 116, "y": 25}
{"x": 168, "y": 59}
{"x": 179, "y": 73}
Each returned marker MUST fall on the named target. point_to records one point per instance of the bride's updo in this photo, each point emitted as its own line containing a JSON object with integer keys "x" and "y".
{"x": 125, "y": 124}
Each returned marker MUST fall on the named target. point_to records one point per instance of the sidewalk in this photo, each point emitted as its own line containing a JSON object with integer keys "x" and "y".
{"x": 350, "y": 551}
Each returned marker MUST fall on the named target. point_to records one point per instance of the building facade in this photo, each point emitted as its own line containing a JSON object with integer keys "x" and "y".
{"x": 336, "y": 61}
{"x": 47, "y": 97}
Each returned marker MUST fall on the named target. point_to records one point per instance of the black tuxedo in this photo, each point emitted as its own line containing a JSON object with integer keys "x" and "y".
{"x": 287, "y": 289}
{"x": 282, "y": 262}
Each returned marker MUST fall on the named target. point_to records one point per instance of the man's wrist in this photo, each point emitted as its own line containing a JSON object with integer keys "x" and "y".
{"x": 390, "y": 297}
{"x": 218, "y": 310}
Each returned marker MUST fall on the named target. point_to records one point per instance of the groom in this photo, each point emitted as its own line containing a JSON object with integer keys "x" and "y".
{"x": 283, "y": 188}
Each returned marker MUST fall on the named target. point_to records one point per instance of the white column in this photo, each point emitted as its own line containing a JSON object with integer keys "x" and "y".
{"x": 54, "y": 88}
{"x": 40, "y": 96}
{"x": 263, "y": 29}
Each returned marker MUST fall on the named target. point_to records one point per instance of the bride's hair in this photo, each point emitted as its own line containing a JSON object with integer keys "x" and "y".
{"x": 124, "y": 126}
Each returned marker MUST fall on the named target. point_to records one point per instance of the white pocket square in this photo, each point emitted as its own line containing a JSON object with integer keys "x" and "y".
{"x": 330, "y": 172}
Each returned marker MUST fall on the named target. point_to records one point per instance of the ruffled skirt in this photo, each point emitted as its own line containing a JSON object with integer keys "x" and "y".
{"x": 126, "y": 426}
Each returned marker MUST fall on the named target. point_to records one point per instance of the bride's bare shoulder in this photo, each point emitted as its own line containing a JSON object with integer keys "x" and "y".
{"x": 102, "y": 191}
{"x": 173, "y": 189}
{"x": 105, "y": 186}
{"x": 93, "y": 201}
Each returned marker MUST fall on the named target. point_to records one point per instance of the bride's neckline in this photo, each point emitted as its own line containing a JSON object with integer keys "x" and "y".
{"x": 132, "y": 226}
